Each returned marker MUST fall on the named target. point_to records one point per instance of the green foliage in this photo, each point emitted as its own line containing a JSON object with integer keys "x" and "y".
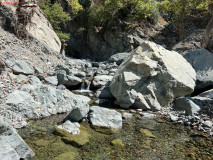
{"x": 76, "y": 7}
{"x": 180, "y": 9}
{"x": 56, "y": 16}
{"x": 62, "y": 35}
{"x": 130, "y": 10}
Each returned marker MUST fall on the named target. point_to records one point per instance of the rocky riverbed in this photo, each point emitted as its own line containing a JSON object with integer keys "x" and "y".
{"x": 140, "y": 138}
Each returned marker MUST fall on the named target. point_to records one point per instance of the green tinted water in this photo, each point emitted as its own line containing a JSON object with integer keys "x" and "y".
{"x": 147, "y": 139}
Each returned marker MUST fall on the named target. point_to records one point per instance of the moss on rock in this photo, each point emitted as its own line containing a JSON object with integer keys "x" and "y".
{"x": 117, "y": 143}
{"x": 67, "y": 156}
{"x": 147, "y": 133}
{"x": 76, "y": 140}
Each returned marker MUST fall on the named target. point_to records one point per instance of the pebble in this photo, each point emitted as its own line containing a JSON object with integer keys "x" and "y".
{"x": 132, "y": 111}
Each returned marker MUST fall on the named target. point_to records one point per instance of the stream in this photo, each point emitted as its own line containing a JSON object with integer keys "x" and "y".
{"x": 142, "y": 138}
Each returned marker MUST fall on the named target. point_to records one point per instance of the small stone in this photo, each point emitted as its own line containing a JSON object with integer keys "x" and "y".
{"x": 132, "y": 111}
{"x": 139, "y": 110}
{"x": 207, "y": 124}
{"x": 127, "y": 116}
{"x": 173, "y": 117}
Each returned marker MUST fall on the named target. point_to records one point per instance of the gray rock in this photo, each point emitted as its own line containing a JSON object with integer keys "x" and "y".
{"x": 71, "y": 81}
{"x": 78, "y": 73}
{"x": 104, "y": 92}
{"x": 206, "y": 104}
{"x": 148, "y": 115}
{"x": 21, "y": 67}
{"x": 35, "y": 80}
{"x": 201, "y": 60}
{"x": 100, "y": 81}
{"x": 150, "y": 78}
{"x": 63, "y": 67}
{"x": 67, "y": 80}
{"x": 208, "y": 124}
{"x": 173, "y": 117}
{"x": 119, "y": 57}
{"x": 51, "y": 80}
{"x": 186, "y": 104}
{"x": 127, "y": 116}
{"x": 70, "y": 127}
{"x": 9, "y": 62}
{"x": 38, "y": 70}
{"x": 43, "y": 101}
{"x": 22, "y": 78}
{"x": 79, "y": 111}
{"x": 105, "y": 120}
{"x": 207, "y": 94}
{"x": 12, "y": 146}
{"x": 95, "y": 64}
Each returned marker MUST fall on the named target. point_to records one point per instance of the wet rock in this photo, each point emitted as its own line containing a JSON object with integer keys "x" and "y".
{"x": 12, "y": 146}
{"x": 149, "y": 78}
{"x": 148, "y": 115}
{"x": 127, "y": 116}
{"x": 78, "y": 73}
{"x": 100, "y": 81}
{"x": 70, "y": 127}
{"x": 51, "y": 80}
{"x": 201, "y": 60}
{"x": 77, "y": 140}
{"x": 71, "y": 81}
{"x": 21, "y": 67}
{"x": 105, "y": 120}
{"x": 63, "y": 67}
{"x": 187, "y": 105}
{"x": 173, "y": 117}
{"x": 119, "y": 57}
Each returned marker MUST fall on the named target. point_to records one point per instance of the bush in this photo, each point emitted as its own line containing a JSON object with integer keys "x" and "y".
{"x": 55, "y": 16}
{"x": 129, "y": 10}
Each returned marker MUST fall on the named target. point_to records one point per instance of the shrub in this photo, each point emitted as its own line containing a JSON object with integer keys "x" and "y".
{"x": 129, "y": 10}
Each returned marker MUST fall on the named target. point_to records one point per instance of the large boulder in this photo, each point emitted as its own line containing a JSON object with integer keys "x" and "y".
{"x": 105, "y": 120}
{"x": 42, "y": 101}
{"x": 12, "y": 146}
{"x": 152, "y": 77}
{"x": 202, "y": 62}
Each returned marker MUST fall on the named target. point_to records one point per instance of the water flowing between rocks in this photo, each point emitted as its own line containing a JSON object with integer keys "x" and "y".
{"x": 141, "y": 139}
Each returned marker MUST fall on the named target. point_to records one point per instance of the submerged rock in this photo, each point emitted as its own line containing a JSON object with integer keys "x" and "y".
{"x": 152, "y": 77}
{"x": 117, "y": 143}
{"x": 105, "y": 120}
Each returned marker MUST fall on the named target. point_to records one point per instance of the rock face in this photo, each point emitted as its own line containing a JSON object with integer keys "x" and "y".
{"x": 12, "y": 146}
{"x": 152, "y": 77}
{"x": 42, "y": 101}
{"x": 40, "y": 28}
{"x": 43, "y": 31}
{"x": 202, "y": 62}
{"x": 105, "y": 120}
